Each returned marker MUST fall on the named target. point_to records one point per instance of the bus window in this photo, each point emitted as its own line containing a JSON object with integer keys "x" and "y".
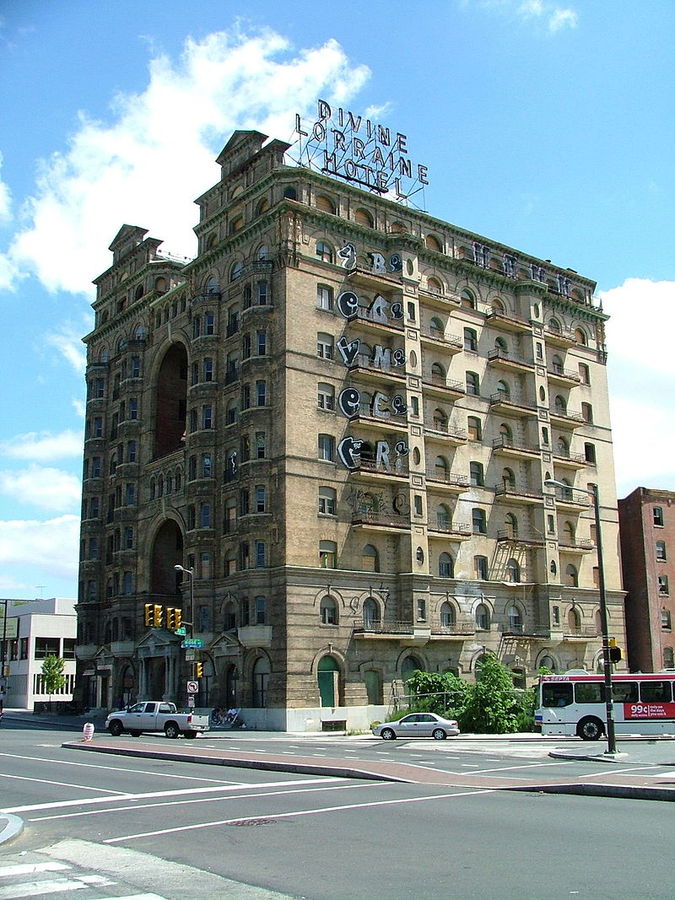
{"x": 655, "y": 691}
{"x": 589, "y": 692}
{"x": 556, "y": 694}
{"x": 625, "y": 691}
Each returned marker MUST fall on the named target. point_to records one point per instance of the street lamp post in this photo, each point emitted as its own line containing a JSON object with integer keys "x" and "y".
{"x": 191, "y": 574}
{"x": 606, "y": 661}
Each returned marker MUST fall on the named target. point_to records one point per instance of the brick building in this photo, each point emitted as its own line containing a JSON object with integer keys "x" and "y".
{"x": 339, "y": 417}
{"x": 647, "y": 528}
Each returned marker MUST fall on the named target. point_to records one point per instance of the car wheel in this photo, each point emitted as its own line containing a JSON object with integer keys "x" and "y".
{"x": 135, "y": 733}
{"x": 115, "y": 728}
{"x": 438, "y": 734}
{"x": 590, "y": 729}
{"x": 190, "y": 734}
{"x": 388, "y": 734}
{"x": 171, "y": 730}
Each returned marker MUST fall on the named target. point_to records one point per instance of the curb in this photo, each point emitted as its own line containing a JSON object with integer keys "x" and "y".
{"x": 591, "y": 757}
{"x": 620, "y": 791}
{"x": 10, "y": 827}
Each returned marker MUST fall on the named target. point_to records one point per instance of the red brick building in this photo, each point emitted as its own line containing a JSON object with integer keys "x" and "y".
{"x": 647, "y": 529}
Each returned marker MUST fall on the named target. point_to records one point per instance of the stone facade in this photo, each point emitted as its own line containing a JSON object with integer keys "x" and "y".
{"x": 647, "y": 520}
{"x": 340, "y": 417}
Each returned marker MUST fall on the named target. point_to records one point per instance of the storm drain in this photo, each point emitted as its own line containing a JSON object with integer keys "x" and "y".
{"x": 243, "y": 823}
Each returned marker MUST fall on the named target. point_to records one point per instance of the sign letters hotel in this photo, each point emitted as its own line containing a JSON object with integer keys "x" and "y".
{"x": 353, "y": 148}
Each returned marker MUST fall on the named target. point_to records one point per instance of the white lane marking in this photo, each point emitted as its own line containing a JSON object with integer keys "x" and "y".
{"x": 301, "y": 812}
{"x": 98, "y": 812}
{"x": 32, "y": 869}
{"x": 511, "y": 768}
{"x": 80, "y": 787}
{"x": 56, "y": 804}
{"x": 39, "y": 888}
{"x": 636, "y": 769}
{"x": 63, "y": 762}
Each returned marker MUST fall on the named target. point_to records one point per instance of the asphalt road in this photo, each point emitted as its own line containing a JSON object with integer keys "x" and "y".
{"x": 155, "y": 828}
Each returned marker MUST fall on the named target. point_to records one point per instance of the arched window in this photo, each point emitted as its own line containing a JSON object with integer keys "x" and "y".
{"x": 434, "y": 286}
{"x": 482, "y": 617}
{"x": 441, "y": 468}
{"x": 470, "y": 339}
{"x": 568, "y": 533}
{"x": 325, "y": 203}
{"x": 443, "y": 517}
{"x": 236, "y": 270}
{"x": 448, "y": 615}
{"x": 440, "y": 420}
{"x": 363, "y": 217}
{"x": 446, "y": 566}
{"x": 501, "y": 345}
{"x": 370, "y": 561}
{"x": 563, "y": 448}
{"x": 547, "y": 662}
{"x": 506, "y": 434}
{"x": 574, "y": 618}
{"x": 437, "y": 373}
{"x": 328, "y": 610}
{"x": 436, "y": 327}
{"x": 324, "y": 252}
{"x": 371, "y": 613}
{"x": 474, "y": 428}
{"x": 557, "y": 364}
{"x": 409, "y": 666}
{"x": 467, "y": 299}
{"x": 580, "y": 337}
{"x": 511, "y": 525}
{"x": 666, "y": 621}
{"x": 554, "y": 325}
{"x": 560, "y": 404}
{"x": 572, "y": 575}
{"x": 472, "y": 383}
{"x": 432, "y": 243}
{"x": 508, "y": 478}
{"x": 476, "y": 474}
{"x": 513, "y": 571}
{"x": 503, "y": 390}
{"x": 478, "y": 520}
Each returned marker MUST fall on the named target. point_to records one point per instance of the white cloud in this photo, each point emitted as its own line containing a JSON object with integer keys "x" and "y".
{"x": 641, "y": 367}
{"x": 5, "y": 199}
{"x": 67, "y": 341}
{"x": 44, "y": 446}
{"x": 45, "y": 487}
{"x": 168, "y": 135}
{"x": 51, "y": 547}
{"x": 547, "y": 12}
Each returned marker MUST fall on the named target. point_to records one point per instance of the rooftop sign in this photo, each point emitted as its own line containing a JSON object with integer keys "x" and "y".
{"x": 351, "y": 147}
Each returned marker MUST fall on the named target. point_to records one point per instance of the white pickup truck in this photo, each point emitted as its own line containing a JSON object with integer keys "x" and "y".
{"x": 155, "y": 715}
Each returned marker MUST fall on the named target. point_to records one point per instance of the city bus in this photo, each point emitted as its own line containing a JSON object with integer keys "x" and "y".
{"x": 574, "y": 703}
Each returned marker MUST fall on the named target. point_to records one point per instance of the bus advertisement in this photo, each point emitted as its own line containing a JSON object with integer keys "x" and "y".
{"x": 574, "y": 703}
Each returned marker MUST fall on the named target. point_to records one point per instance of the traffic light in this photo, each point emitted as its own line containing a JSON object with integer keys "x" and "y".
{"x": 170, "y": 618}
{"x": 178, "y": 618}
{"x": 158, "y": 615}
{"x": 149, "y": 616}
{"x": 614, "y": 651}
{"x": 199, "y": 670}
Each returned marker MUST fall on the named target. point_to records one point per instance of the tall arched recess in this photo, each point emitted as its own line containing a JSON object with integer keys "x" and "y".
{"x": 167, "y": 551}
{"x": 171, "y": 401}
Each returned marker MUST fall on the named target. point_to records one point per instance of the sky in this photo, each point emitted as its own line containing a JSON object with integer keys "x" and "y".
{"x": 545, "y": 124}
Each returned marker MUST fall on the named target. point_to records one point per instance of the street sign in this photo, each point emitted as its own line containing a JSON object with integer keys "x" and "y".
{"x": 190, "y": 655}
{"x": 192, "y": 643}
{"x": 192, "y": 687}
{"x": 182, "y": 630}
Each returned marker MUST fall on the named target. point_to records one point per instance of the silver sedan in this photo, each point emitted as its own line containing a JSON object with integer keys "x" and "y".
{"x": 417, "y": 725}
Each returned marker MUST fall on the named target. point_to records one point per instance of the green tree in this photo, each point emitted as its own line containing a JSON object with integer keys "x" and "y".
{"x": 441, "y": 693}
{"x": 491, "y": 706}
{"x": 52, "y": 676}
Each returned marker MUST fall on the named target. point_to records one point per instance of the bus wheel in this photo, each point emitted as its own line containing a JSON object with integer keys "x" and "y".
{"x": 590, "y": 729}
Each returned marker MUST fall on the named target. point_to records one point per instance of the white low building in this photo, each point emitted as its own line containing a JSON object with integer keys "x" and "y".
{"x": 31, "y": 630}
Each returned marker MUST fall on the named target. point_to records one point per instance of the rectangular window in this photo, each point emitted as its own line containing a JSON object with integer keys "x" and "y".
{"x": 260, "y": 444}
{"x": 261, "y": 393}
{"x": 263, "y": 293}
{"x": 259, "y": 611}
{"x": 261, "y": 338}
{"x": 655, "y": 692}
{"x": 45, "y": 647}
{"x": 245, "y": 396}
{"x": 205, "y": 516}
{"x": 663, "y": 585}
{"x": 207, "y": 417}
{"x": 657, "y": 513}
{"x": 244, "y": 502}
{"x": 260, "y": 554}
{"x": 661, "y": 551}
{"x": 260, "y": 498}
{"x": 324, "y": 297}
{"x": 556, "y": 694}
{"x": 481, "y": 567}
{"x": 23, "y": 651}
{"x": 130, "y": 494}
{"x": 327, "y": 447}
{"x": 588, "y": 692}
{"x": 625, "y": 691}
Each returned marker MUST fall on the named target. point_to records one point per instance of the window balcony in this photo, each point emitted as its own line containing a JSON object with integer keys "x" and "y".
{"x": 522, "y": 540}
{"x": 438, "y": 386}
{"x": 451, "y": 343}
{"x": 448, "y": 532}
{"x": 446, "y": 482}
{"x": 569, "y": 460}
{"x": 565, "y": 377}
{"x": 502, "y": 359}
{"x": 525, "y": 633}
{"x": 366, "y": 370}
{"x": 559, "y": 338}
{"x": 566, "y": 418}
{"x": 568, "y": 498}
{"x": 580, "y": 633}
{"x": 367, "y": 419}
{"x": 508, "y": 321}
{"x": 457, "y": 631}
{"x": 371, "y": 520}
{"x": 580, "y": 546}
{"x": 437, "y": 430}
{"x": 368, "y": 321}
{"x": 514, "y": 494}
{"x": 404, "y": 632}
{"x": 368, "y": 471}
{"x": 374, "y": 281}
{"x": 508, "y": 403}
{"x": 506, "y": 447}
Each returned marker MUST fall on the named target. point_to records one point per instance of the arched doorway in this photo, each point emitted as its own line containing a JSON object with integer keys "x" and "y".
{"x": 167, "y": 551}
{"x": 171, "y": 401}
{"x": 328, "y": 677}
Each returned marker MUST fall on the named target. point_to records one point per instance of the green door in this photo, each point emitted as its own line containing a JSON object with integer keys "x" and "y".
{"x": 328, "y": 674}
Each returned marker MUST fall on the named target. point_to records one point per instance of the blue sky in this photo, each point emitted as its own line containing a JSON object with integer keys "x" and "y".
{"x": 545, "y": 124}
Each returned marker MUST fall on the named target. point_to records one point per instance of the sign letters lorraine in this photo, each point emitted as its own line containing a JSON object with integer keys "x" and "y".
{"x": 354, "y": 148}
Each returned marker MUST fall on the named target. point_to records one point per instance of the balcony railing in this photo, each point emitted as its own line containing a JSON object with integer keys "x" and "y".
{"x": 506, "y": 443}
{"x": 511, "y": 490}
{"x": 520, "y": 538}
{"x": 440, "y": 427}
{"x": 382, "y": 519}
{"x": 438, "y": 381}
{"x": 560, "y": 372}
{"x": 570, "y": 415}
{"x": 500, "y": 354}
{"x": 503, "y": 399}
{"x": 448, "y": 478}
{"x": 452, "y": 340}
{"x": 369, "y": 465}
{"x": 366, "y": 315}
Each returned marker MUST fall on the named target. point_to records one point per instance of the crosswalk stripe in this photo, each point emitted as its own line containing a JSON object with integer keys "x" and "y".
{"x": 31, "y": 869}
{"x": 38, "y": 888}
